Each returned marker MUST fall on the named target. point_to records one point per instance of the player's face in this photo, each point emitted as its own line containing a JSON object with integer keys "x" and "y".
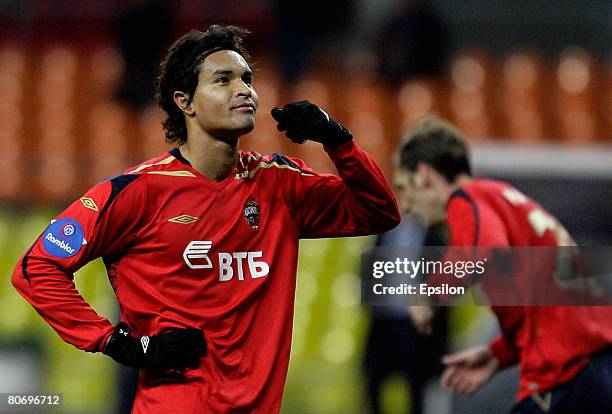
{"x": 403, "y": 189}
{"x": 419, "y": 196}
{"x": 224, "y": 100}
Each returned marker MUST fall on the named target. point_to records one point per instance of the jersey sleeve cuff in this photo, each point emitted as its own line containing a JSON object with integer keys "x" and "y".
{"x": 504, "y": 353}
{"x": 101, "y": 345}
{"x": 342, "y": 149}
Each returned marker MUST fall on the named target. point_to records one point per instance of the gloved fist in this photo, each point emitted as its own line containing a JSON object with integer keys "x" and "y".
{"x": 177, "y": 348}
{"x": 303, "y": 120}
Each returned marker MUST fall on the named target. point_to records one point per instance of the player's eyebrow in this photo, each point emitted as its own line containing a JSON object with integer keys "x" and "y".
{"x": 229, "y": 72}
{"x": 223, "y": 72}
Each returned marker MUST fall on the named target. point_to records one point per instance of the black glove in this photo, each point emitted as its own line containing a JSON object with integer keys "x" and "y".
{"x": 177, "y": 348}
{"x": 303, "y": 120}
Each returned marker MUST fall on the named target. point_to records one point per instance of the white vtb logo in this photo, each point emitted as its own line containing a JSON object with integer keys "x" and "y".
{"x": 198, "y": 250}
{"x": 196, "y": 257}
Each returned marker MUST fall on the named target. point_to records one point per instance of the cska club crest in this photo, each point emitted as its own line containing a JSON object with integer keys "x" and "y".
{"x": 251, "y": 213}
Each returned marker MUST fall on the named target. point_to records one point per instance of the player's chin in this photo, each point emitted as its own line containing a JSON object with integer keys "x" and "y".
{"x": 245, "y": 126}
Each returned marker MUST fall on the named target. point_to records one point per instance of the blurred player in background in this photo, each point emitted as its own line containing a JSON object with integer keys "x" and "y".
{"x": 394, "y": 344}
{"x": 201, "y": 243}
{"x": 564, "y": 353}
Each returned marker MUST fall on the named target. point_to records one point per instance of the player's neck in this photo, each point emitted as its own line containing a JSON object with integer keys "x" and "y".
{"x": 459, "y": 182}
{"x": 214, "y": 158}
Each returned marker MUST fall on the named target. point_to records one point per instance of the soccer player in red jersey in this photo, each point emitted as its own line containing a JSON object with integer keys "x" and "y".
{"x": 201, "y": 243}
{"x": 564, "y": 353}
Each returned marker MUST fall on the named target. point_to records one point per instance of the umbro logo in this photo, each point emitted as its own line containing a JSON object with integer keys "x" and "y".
{"x": 89, "y": 203}
{"x": 145, "y": 343}
{"x": 184, "y": 219}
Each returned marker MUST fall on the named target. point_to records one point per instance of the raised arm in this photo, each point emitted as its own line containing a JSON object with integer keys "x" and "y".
{"x": 356, "y": 202}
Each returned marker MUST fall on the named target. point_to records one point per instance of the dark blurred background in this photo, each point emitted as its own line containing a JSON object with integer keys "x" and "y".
{"x": 528, "y": 82}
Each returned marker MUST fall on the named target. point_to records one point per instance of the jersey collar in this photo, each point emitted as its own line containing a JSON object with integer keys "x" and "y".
{"x": 177, "y": 154}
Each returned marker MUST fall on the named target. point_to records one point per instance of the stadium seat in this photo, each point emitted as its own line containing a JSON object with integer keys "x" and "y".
{"x": 105, "y": 67}
{"x": 109, "y": 140}
{"x": 150, "y": 135}
{"x": 363, "y": 111}
{"x": 57, "y": 152}
{"x": 12, "y": 69}
{"x": 468, "y": 95}
{"x": 521, "y": 97}
{"x": 575, "y": 96}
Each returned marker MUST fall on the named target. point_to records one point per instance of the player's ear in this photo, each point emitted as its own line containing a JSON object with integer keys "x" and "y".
{"x": 184, "y": 102}
{"x": 422, "y": 175}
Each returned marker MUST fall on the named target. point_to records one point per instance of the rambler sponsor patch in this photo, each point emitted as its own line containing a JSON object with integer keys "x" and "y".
{"x": 63, "y": 238}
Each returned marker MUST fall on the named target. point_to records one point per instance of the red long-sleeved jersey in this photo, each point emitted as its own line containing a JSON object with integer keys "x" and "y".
{"x": 552, "y": 343}
{"x": 184, "y": 251}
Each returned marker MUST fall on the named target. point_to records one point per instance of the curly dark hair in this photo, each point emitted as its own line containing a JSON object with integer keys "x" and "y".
{"x": 179, "y": 70}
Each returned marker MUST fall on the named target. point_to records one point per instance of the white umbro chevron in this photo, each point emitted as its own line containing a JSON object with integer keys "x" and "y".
{"x": 145, "y": 343}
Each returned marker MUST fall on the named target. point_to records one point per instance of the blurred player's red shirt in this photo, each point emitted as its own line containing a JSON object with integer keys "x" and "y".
{"x": 552, "y": 343}
{"x": 182, "y": 251}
